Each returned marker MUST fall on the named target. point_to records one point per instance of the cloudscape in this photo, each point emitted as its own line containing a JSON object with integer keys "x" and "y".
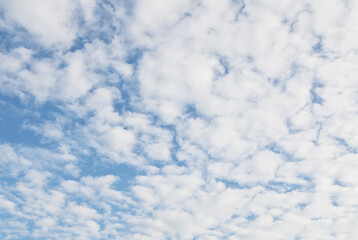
{"x": 178, "y": 119}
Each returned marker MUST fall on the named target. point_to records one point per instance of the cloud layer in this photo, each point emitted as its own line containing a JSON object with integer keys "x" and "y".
{"x": 178, "y": 120}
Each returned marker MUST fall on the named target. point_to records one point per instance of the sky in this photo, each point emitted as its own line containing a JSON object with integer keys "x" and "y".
{"x": 178, "y": 119}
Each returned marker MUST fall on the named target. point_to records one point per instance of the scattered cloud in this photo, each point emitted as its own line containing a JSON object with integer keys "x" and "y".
{"x": 178, "y": 120}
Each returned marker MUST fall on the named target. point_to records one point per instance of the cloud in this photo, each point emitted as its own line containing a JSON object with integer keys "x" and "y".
{"x": 189, "y": 120}
{"x": 49, "y": 21}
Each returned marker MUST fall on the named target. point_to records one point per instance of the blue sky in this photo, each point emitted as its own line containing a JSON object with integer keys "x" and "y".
{"x": 181, "y": 119}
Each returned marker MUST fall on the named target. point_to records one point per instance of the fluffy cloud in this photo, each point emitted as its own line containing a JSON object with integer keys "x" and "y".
{"x": 49, "y": 21}
{"x": 181, "y": 120}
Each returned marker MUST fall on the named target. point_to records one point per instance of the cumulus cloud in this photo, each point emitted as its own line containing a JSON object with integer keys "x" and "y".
{"x": 178, "y": 120}
{"x": 49, "y": 21}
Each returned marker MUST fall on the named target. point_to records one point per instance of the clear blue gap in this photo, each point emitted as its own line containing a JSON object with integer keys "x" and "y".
{"x": 251, "y": 217}
{"x": 105, "y": 29}
{"x": 275, "y": 81}
{"x": 93, "y": 165}
{"x": 129, "y": 88}
{"x": 11, "y": 218}
{"x": 78, "y": 44}
{"x": 19, "y": 37}
{"x": 224, "y": 62}
{"x": 277, "y": 218}
{"x": 302, "y": 206}
{"x": 128, "y": 5}
{"x": 274, "y": 147}
{"x": 334, "y": 201}
{"x": 134, "y": 55}
{"x": 315, "y": 98}
{"x": 306, "y": 178}
{"x": 282, "y": 187}
{"x": 320, "y": 126}
{"x": 175, "y": 144}
{"x": 233, "y": 184}
{"x": 129, "y": 92}
{"x": 318, "y": 48}
{"x": 343, "y": 142}
{"x": 13, "y": 114}
{"x": 338, "y": 183}
{"x": 290, "y": 127}
{"x": 7, "y": 179}
{"x": 41, "y": 53}
{"x": 156, "y": 121}
{"x": 191, "y": 111}
{"x": 294, "y": 69}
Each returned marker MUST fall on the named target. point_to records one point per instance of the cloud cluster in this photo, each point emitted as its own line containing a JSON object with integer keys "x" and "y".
{"x": 178, "y": 120}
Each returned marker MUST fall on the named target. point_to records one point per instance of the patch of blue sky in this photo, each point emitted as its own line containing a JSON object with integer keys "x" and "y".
{"x": 175, "y": 146}
{"x": 191, "y": 111}
{"x": 234, "y": 184}
{"x": 251, "y": 217}
{"x": 29, "y": 238}
{"x": 93, "y": 165}
{"x": 104, "y": 27}
{"x": 339, "y": 183}
{"x": 274, "y": 81}
{"x": 8, "y": 180}
{"x": 17, "y": 37}
{"x": 334, "y": 201}
{"x": 274, "y": 147}
{"x": 282, "y": 187}
{"x": 225, "y": 64}
{"x": 43, "y": 53}
{"x": 16, "y": 233}
{"x": 79, "y": 43}
{"x": 294, "y": 69}
{"x": 4, "y": 215}
{"x": 129, "y": 90}
{"x": 318, "y": 47}
{"x": 11, "y": 194}
{"x": 291, "y": 128}
{"x": 277, "y": 218}
{"x": 343, "y": 142}
{"x": 301, "y": 206}
{"x": 306, "y": 178}
{"x": 128, "y": 6}
{"x": 134, "y": 55}
{"x": 319, "y": 129}
{"x": 315, "y": 98}
{"x": 13, "y": 116}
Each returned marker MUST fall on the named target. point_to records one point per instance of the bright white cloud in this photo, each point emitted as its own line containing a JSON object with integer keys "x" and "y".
{"x": 49, "y": 21}
{"x": 178, "y": 120}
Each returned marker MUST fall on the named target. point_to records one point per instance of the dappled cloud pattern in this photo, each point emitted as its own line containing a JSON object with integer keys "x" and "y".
{"x": 182, "y": 119}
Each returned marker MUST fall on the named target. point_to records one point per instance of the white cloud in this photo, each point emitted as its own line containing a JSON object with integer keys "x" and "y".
{"x": 238, "y": 118}
{"x": 50, "y": 21}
